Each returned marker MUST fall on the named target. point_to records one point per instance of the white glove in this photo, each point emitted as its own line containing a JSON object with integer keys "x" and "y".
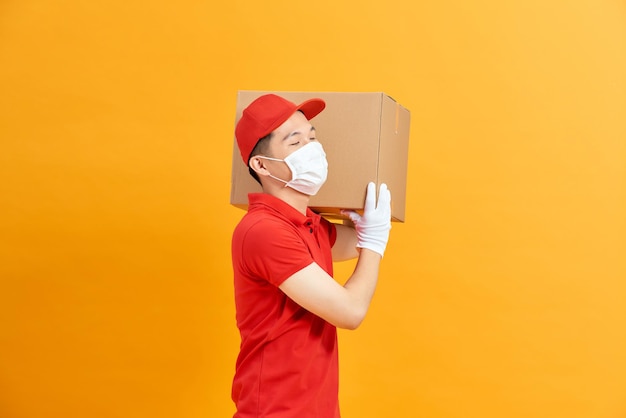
{"x": 372, "y": 229}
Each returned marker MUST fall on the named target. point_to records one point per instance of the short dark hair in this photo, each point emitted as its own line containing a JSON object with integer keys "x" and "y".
{"x": 261, "y": 148}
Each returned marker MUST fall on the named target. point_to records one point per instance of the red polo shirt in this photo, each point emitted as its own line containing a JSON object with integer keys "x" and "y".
{"x": 287, "y": 364}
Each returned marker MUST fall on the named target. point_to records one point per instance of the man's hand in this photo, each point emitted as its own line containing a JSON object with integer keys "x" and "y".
{"x": 372, "y": 229}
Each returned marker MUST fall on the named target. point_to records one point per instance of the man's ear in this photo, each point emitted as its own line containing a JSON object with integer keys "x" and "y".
{"x": 258, "y": 165}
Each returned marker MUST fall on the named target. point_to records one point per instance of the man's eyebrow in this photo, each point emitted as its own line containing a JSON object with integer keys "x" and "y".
{"x": 297, "y": 132}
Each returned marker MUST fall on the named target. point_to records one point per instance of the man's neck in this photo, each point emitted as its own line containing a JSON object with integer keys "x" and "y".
{"x": 299, "y": 201}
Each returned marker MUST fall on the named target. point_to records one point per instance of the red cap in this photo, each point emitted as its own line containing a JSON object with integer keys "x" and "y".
{"x": 267, "y": 113}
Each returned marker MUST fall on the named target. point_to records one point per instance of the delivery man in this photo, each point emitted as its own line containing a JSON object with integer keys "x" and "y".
{"x": 287, "y": 303}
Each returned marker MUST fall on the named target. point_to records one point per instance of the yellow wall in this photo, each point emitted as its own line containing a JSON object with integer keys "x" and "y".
{"x": 503, "y": 295}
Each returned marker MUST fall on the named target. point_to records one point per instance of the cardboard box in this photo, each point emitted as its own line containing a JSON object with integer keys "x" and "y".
{"x": 366, "y": 138}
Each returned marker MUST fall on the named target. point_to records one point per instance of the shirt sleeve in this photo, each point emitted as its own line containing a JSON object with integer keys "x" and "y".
{"x": 274, "y": 251}
{"x": 331, "y": 230}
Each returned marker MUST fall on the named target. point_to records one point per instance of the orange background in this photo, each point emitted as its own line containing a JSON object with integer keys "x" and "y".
{"x": 503, "y": 295}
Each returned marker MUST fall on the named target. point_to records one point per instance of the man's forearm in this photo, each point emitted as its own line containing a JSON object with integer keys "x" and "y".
{"x": 362, "y": 283}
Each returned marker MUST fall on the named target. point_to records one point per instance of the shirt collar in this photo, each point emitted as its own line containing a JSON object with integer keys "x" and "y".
{"x": 280, "y": 206}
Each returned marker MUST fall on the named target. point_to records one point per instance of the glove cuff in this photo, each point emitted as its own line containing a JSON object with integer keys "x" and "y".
{"x": 378, "y": 248}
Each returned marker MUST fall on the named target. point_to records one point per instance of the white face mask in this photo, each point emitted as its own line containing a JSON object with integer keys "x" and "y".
{"x": 308, "y": 166}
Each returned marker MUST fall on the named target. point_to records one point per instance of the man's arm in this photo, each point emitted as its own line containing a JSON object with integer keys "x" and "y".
{"x": 345, "y": 306}
{"x": 345, "y": 243}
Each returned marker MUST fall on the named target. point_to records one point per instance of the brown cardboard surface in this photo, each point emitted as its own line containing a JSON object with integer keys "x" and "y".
{"x": 366, "y": 138}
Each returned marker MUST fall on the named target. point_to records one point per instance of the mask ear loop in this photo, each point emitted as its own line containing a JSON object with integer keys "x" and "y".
{"x": 269, "y": 158}
{"x": 270, "y": 174}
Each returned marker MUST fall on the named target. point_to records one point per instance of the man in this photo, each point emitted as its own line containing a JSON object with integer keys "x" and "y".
{"x": 288, "y": 305}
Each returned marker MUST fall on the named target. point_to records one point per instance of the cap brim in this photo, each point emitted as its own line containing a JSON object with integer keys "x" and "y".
{"x": 311, "y": 107}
